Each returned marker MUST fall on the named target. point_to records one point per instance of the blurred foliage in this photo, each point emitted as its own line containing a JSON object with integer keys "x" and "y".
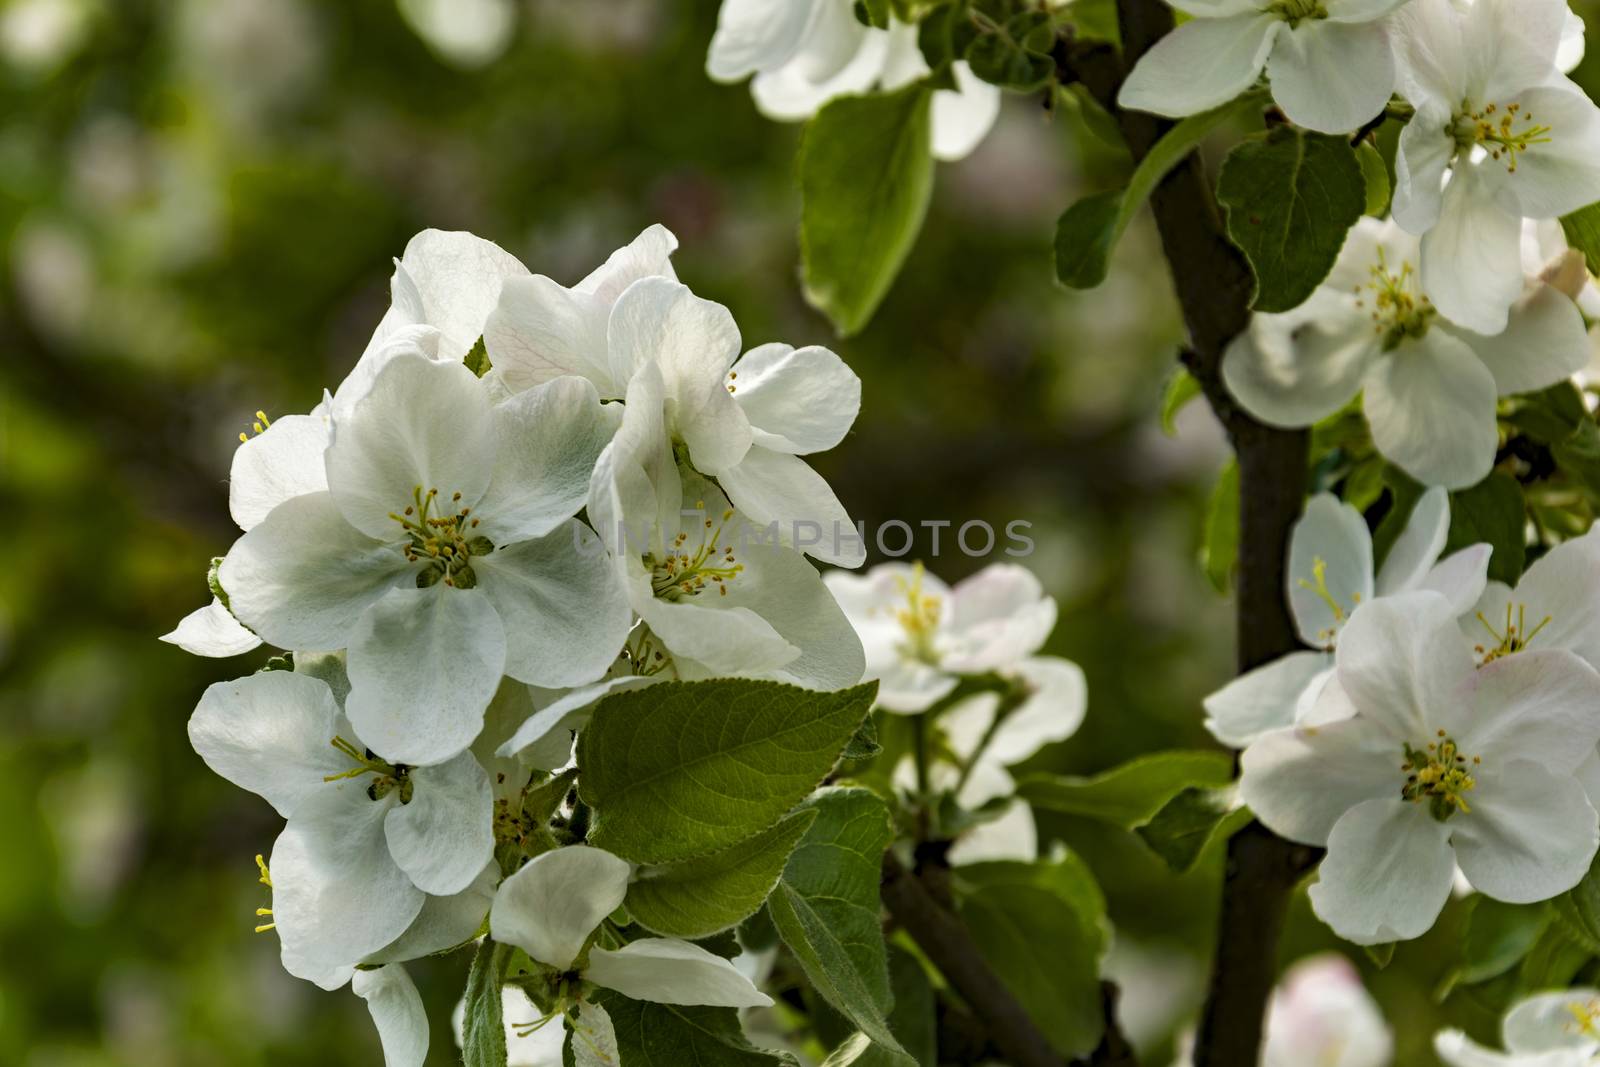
{"x": 199, "y": 201}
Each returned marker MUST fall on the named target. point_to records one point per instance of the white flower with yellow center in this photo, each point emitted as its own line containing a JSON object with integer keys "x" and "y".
{"x": 1516, "y": 139}
{"x": 1445, "y": 762}
{"x": 1330, "y": 61}
{"x": 1555, "y": 605}
{"x": 1330, "y": 575}
{"x": 804, "y": 53}
{"x": 1559, "y": 1029}
{"x": 555, "y": 909}
{"x": 443, "y": 554}
{"x": 718, "y": 595}
{"x": 1428, "y": 385}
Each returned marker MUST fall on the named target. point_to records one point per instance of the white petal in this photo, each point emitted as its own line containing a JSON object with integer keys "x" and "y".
{"x": 444, "y": 922}
{"x": 564, "y": 608}
{"x": 1053, "y": 712}
{"x": 1415, "y": 551}
{"x": 773, "y": 487}
{"x": 1361, "y": 10}
{"x": 424, "y": 664}
{"x": 795, "y": 90}
{"x": 648, "y": 255}
{"x": 1458, "y": 1050}
{"x": 1562, "y": 586}
{"x": 724, "y": 632}
{"x": 962, "y": 118}
{"x": 1530, "y": 835}
{"x": 457, "y": 278}
{"x": 1013, "y": 836}
{"x": 1331, "y": 537}
{"x": 1401, "y": 660}
{"x": 636, "y": 491}
{"x": 270, "y": 733}
{"x": 445, "y": 835}
{"x": 549, "y": 438}
{"x": 1512, "y": 44}
{"x": 1531, "y": 705}
{"x": 1263, "y": 699}
{"x": 785, "y": 591}
{"x": 1560, "y": 177}
{"x": 1301, "y": 782}
{"x": 1387, "y": 874}
{"x": 541, "y": 330}
{"x": 909, "y": 686}
{"x": 1471, "y": 259}
{"x": 211, "y": 631}
{"x": 337, "y": 895}
{"x": 423, "y": 424}
{"x": 1201, "y": 64}
{"x": 551, "y": 906}
{"x": 1431, "y": 408}
{"x": 1426, "y": 149}
{"x": 397, "y": 1012}
{"x": 303, "y": 576}
{"x": 755, "y": 35}
{"x": 668, "y": 971}
{"x": 1332, "y": 76}
{"x": 564, "y": 715}
{"x": 284, "y": 461}
{"x": 594, "y": 1038}
{"x": 1570, "y": 54}
{"x": 798, "y": 400}
{"x": 1298, "y": 368}
{"x": 1543, "y": 1022}
{"x": 1461, "y": 577}
{"x": 1544, "y": 342}
{"x": 997, "y": 617}
{"x": 1432, "y": 56}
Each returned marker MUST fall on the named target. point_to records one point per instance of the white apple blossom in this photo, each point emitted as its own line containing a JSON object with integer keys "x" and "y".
{"x": 1330, "y": 575}
{"x": 1555, "y": 605}
{"x": 212, "y": 631}
{"x": 1446, "y": 762}
{"x": 1556, "y": 1029}
{"x": 718, "y": 595}
{"x": 553, "y": 909}
{"x": 1330, "y": 62}
{"x": 1428, "y": 384}
{"x": 804, "y": 53}
{"x": 1515, "y": 138}
{"x": 442, "y": 555}
{"x": 367, "y": 840}
{"x": 921, "y": 636}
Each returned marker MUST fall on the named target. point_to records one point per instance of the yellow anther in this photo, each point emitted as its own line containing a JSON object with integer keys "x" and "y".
{"x": 1319, "y": 586}
{"x": 1439, "y": 778}
{"x": 266, "y": 875}
{"x": 1514, "y": 636}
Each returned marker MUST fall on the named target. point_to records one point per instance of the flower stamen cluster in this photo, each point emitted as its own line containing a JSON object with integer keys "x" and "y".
{"x": 1496, "y": 130}
{"x": 1514, "y": 636}
{"x": 1439, "y": 776}
{"x": 266, "y": 880}
{"x": 259, "y": 427}
{"x": 684, "y": 574}
{"x": 1319, "y": 586}
{"x": 390, "y": 776}
{"x": 1295, "y": 12}
{"x": 1399, "y": 313}
{"x": 442, "y": 542}
{"x": 919, "y": 618}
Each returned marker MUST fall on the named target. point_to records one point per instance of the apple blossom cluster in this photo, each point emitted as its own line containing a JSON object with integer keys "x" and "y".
{"x": 522, "y": 498}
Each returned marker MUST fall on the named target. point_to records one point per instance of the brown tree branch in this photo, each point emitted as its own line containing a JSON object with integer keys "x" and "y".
{"x": 1214, "y": 286}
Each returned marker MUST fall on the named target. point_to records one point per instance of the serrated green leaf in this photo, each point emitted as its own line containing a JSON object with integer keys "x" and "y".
{"x": 1089, "y": 231}
{"x": 1189, "y": 822}
{"x": 1375, "y": 176}
{"x": 1182, "y": 387}
{"x": 713, "y": 893}
{"x": 1041, "y": 926}
{"x": 866, "y": 173}
{"x": 864, "y": 745}
{"x": 483, "y": 1040}
{"x": 667, "y": 1035}
{"x": 827, "y": 910}
{"x": 684, "y": 769}
{"x": 477, "y": 360}
{"x": 1015, "y": 55}
{"x": 1291, "y": 197}
{"x": 1131, "y": 794}
{"x": 1582, "y": 229}
{"x": 1220, "y": 550}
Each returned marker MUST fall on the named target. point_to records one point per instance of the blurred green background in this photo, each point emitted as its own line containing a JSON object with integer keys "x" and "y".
{"x": 199, "y": 203}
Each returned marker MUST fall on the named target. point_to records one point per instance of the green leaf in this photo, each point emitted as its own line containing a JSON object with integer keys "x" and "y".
{"x": 1190, "y": 821}
{"x": 713, "y": 893}
{"x": 1375, "y": 175}
{"x": 1291, "y": 197}
{"x": 1577, "y": 911}
{"x": 1550, "y": 416}
{"x": 1182, "y": 387}
{"x": 1220, "y": 550}
{"x": 828, "y": 966}
{"x": 1496, "y": 938}
{"x": 1016, "y": 55}
{"x": 667, "y": 1035}
{"x": 483, "y": 1040}
{"x": 864, "y": 745}
{"x": 684, "y": 769}
{"x": 1041, "y": 926}
{"x": 1492, "y": 511}
{"x": 873, "y": 13}
{"x": 827, "y": 911}
{"x": 478, "y": 359}
{"x": 866, "y": 173}
{"x": 1132, "y": 794}
{"x": 1089, "y": 231}
{"x": 913, "y": 1021}
{"x": 1582, "y": 228}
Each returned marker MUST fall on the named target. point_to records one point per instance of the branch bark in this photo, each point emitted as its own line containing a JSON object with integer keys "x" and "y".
{"x": 1214, "y": 285}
